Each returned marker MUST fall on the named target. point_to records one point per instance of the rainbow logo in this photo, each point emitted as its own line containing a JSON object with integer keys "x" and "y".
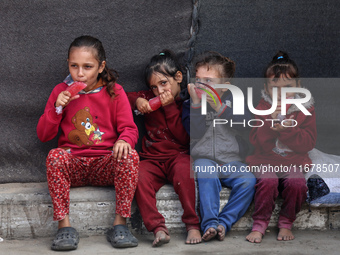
{"x": 209, "y": 93}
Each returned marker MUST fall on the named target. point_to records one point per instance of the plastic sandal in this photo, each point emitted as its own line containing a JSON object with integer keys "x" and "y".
{"x": 121, "y": 237}
{"x": 66, "y": 239}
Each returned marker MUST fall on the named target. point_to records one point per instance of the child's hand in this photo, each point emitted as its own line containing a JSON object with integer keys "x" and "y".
{"x": 193, "y": 94}
{"x": 216, "y": 106}
{"x": 166, "y": 98}
{"x": 121, "y": 149}
{"x": 64, "y": 98}
{"x": 143, "y": 105}
{"x": 278, "y": 127}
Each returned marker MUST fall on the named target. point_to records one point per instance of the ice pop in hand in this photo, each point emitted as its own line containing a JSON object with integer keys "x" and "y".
{"x": 76, "y": 87}
{"x": 199, "y": 92}
{"x": 155, "y": 103}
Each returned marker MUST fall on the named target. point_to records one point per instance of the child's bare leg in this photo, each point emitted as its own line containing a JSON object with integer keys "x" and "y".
{"x": 64, "y": 222}
{"x": 194, "y": 237}
{"x": 209, "y": 234}
{"x": 220, "y": 232}
{"x": 285, "y": 234}
{"x": 161, "y": 238}
{"x": 119, "y": 220}
{"x": 254, "y": 237}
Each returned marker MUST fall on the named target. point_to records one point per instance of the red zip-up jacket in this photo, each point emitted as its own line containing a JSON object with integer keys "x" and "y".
{"x": 289, "y": 147}
{"x": 166, "y": 136}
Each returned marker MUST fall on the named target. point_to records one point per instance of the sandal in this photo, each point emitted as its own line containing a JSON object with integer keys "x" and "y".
{"x": 66, "y": 239}
{"x": 121, "y": 237}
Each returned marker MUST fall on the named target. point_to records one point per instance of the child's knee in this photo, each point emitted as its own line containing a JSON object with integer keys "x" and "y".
{"x": 249, "y": 183}
{"x": 296, "y": 184}
{"x": 268, "y": 183}
{"x": 134, "y": 155}
{"x": 55, "y": 157}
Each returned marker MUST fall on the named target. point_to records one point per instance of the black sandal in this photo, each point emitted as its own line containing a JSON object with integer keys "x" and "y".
{"x": 121, "y": 237}
{"x": 66, "y": 239}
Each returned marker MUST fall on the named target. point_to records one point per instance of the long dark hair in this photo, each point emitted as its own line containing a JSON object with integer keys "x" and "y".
{"x": 109, "y": 76}
{"x": 166, "y": 63}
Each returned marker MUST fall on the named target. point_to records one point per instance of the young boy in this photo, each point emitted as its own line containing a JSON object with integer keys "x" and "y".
{"x": 217, "y": 149}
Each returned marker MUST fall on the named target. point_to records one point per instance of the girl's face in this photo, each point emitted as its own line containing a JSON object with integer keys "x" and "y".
{"x": 160, "y": 83}
{"x": 210, "y": 76}
{"x": 282, "y": 82}
{"x": 84, "y": 66}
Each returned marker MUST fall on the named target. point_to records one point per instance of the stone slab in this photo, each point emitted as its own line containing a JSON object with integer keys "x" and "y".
{"x": 26, "y": 211}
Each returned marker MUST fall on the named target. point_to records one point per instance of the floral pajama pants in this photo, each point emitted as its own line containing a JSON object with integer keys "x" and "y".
{"x": 65, "y": 170}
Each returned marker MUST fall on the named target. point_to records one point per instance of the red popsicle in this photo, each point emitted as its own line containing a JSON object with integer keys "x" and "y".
{"x": 155, "y": 103}
{"x": 199, "y": 92}
{"x": 76, "y": 87}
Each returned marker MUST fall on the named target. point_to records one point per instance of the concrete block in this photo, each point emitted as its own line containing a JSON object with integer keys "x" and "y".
{"x": 26, "y": 211}
{"x": 334, "y": 218}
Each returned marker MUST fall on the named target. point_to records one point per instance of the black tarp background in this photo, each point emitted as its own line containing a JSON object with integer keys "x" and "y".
{"x": 36, "y": 34}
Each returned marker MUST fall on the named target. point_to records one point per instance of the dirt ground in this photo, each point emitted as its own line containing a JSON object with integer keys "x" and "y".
{"x": 306, "y": 242}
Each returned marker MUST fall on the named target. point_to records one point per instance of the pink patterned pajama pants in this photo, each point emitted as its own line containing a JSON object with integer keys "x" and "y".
{"x": 65, "y": 170}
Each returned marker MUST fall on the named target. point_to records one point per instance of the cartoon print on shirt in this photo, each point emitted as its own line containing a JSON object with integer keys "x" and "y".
{"x": 83, "y": 122}
{"x": 97, "y": 135}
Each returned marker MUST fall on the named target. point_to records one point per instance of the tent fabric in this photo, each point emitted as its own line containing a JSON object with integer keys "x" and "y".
{"x": 35, "y": 36}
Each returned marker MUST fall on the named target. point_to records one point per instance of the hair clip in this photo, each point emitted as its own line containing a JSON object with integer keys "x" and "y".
{"x": 161, "y": 54}
{"x": 280, "y": 57}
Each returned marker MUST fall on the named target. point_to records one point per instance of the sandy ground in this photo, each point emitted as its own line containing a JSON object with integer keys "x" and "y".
{"x": 306, "y": 242}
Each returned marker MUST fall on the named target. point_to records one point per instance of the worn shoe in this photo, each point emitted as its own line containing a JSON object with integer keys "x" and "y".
{"x": 121, "y": 237}
{"x": 66, "y": 239}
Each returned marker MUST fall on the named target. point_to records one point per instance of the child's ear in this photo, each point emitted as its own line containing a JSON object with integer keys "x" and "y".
{"x": 225, "y": 89}
{"x": 102, "y": 67}
{"x": 179, "y": 76}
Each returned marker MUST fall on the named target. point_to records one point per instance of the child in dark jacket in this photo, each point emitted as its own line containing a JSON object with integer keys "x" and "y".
{"x": 164, "y": 156}
{"x": 218, "y": 150}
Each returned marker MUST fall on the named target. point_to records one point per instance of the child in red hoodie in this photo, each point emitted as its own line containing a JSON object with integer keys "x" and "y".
{"x": 281, "y": 151}
{"x": 164, "y": 156}
{"x": 96, "y": 142}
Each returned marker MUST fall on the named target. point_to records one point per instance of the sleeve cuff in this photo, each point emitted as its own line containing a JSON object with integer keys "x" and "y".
{"x": 195, "y": 106}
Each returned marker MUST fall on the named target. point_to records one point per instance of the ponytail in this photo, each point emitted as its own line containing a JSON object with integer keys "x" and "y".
{"x": 282, "y": 64}
{"x": 166, "y": 63}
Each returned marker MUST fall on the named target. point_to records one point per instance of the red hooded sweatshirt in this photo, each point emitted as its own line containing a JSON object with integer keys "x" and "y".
{"x": 289, "y": 147}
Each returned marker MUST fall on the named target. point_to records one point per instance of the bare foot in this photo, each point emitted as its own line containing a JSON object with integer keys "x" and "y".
{"x": 160, "y": 238}
{"x": 254, "y": 237}
{"x": 209, "y": 234}
{"x": 285, "y": 234}
{"x": 220, "y": 233}
{"x": 194, "y": 237}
